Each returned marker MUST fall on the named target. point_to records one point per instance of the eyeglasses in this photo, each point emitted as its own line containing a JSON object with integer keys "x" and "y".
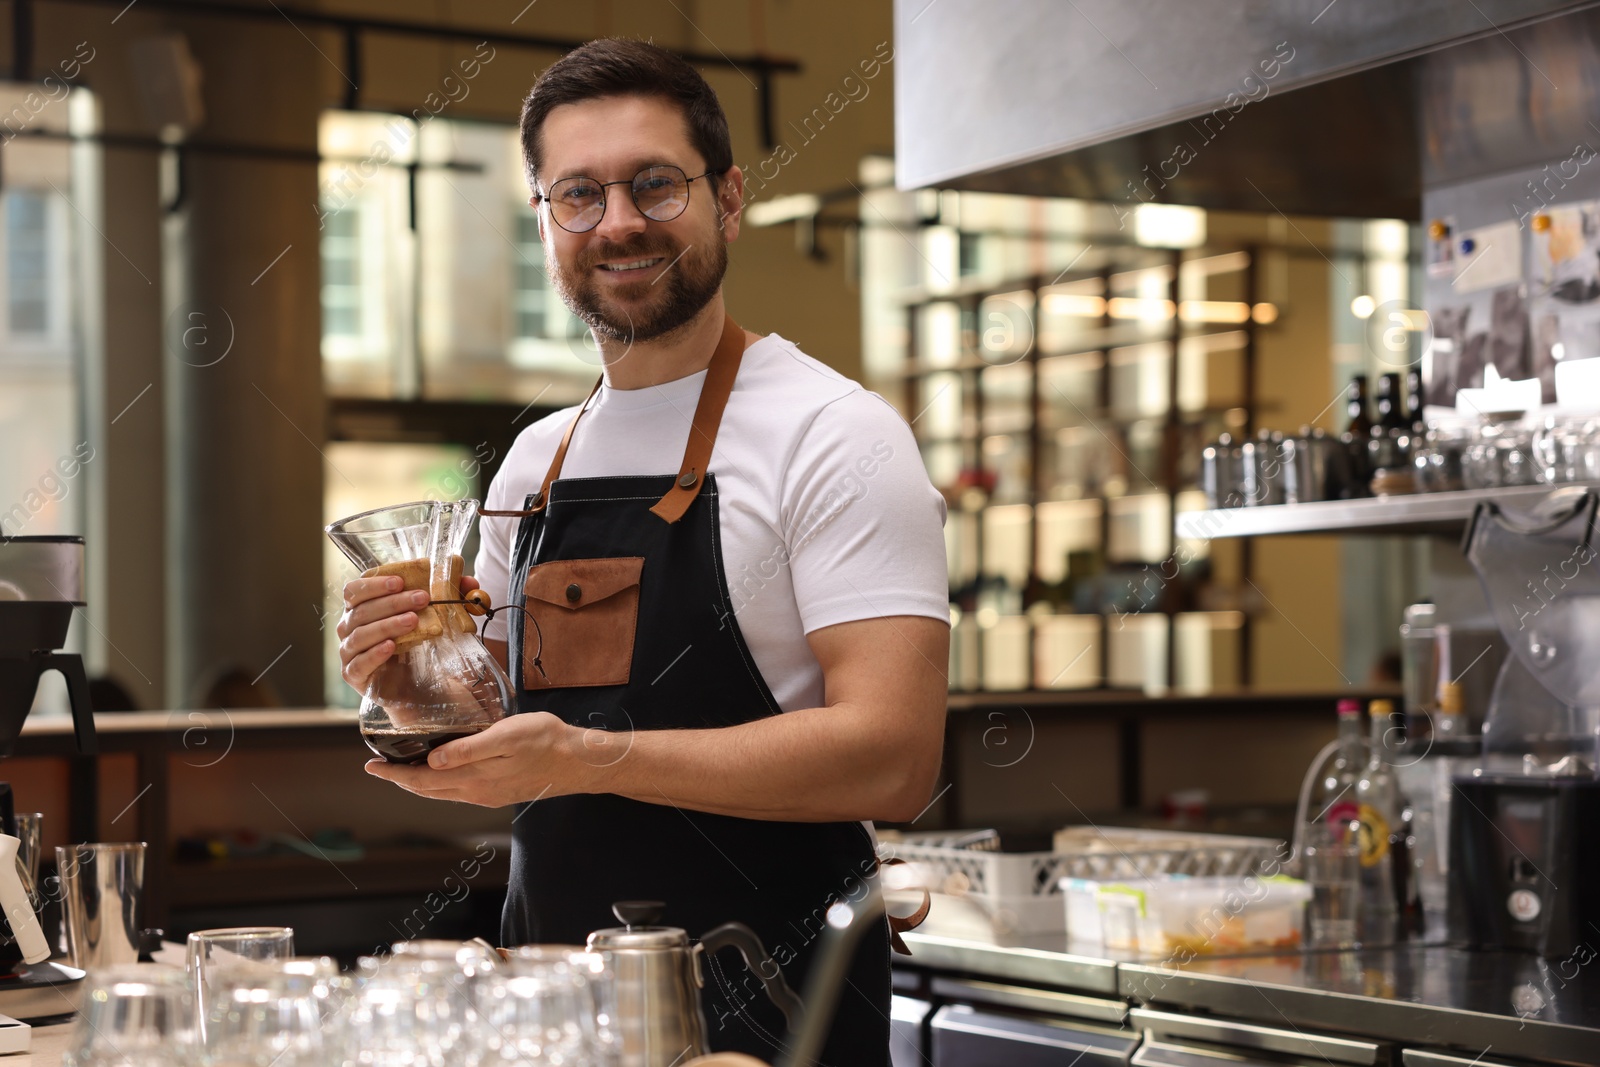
{"x": 660, "y": 193}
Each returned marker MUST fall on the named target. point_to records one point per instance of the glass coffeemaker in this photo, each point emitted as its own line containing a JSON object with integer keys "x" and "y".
{"x": 441, "y": 683}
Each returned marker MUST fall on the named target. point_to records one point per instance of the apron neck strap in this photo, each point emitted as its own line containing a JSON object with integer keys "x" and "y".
{"x": 724, "y": 368}
{"x": 714, "y": 394}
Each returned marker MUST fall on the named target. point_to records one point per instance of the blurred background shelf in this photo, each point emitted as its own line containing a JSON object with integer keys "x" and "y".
{"x": 381, "y": 871}
{"x": 1422, "y": 513}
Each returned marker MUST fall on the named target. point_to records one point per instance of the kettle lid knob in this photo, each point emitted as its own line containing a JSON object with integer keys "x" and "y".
{"x": 632, "y": 913}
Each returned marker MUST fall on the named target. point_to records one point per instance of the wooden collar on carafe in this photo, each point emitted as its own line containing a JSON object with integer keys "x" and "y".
{"x": 721, "y": 372}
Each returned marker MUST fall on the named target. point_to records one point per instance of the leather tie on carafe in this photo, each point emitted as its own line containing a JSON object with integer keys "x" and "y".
{"x": 714, "y": 393}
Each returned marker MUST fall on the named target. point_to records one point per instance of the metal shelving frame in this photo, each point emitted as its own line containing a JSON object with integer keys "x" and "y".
{"x": 1418, "y": 513}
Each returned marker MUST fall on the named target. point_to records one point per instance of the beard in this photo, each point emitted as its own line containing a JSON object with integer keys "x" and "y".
{"x": 646, "y": 310}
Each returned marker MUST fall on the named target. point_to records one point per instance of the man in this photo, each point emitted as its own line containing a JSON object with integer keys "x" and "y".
{"x": 726, "y": 663}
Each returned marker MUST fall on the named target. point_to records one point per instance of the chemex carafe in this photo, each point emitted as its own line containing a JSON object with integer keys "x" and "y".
{"x": 441, "y": 683}
{"x": 658, "y": 982}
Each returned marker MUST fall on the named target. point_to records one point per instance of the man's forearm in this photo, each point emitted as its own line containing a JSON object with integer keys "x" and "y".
{"x": 814, "y": 765}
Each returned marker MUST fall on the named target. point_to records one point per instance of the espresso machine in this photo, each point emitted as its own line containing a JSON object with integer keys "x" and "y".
{"x": 41, "y": 582}
{"x": 1524, "y": 867}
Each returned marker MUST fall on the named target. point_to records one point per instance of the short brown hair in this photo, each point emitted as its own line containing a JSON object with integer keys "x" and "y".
{"x": 617, "y": 66}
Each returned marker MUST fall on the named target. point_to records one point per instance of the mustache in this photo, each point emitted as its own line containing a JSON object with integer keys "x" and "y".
{"x": 644, "y": 248}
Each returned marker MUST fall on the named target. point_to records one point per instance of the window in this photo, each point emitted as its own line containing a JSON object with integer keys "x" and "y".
{"x": 341, "y": 274}
{"x": 531, "y": 290}
{"x": 48, "y": 217}
{"x": 27, "y": 263}
{"x": 433, "y": 277}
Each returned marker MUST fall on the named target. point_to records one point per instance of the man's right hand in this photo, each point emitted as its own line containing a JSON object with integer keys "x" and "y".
{"x": 376, "y": 611}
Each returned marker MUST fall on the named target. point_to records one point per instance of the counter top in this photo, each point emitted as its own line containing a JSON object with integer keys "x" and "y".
{"x": 1484, "y": 1004}
{"x": 49, "y": 1046}
{"x": 130, "y": 722}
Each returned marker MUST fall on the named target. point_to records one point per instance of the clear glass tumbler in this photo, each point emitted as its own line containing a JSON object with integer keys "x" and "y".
{"x": 223, "y": 959}
{"x": 1332, "y": 864}
{"x": 135, "y": 1017}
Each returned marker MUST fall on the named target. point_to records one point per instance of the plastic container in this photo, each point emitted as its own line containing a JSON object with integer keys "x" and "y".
{"x": 1085, "y": 920}
{"x": 1019, "y": 890}
{"x": 1204, "y": 916}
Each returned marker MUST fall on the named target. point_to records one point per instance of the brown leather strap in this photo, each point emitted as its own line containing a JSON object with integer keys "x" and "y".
{"x": 537, "y": 504}
{"x": 714, "y": 394}
{"x": 899, "y": 924}
{"x": 543, "y": 495}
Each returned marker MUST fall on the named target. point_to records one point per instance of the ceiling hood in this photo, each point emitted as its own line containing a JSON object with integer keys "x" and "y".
{"x": 1346, "y": 108}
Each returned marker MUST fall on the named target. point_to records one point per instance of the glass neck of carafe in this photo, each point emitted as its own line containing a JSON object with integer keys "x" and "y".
{"x": 451, "y": 522}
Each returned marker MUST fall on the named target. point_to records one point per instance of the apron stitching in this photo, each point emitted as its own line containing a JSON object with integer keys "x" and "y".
{"x": 595, "y": 499}
{"x": 722, "y": 585}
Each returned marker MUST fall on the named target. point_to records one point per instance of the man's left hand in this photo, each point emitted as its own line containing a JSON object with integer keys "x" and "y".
{"x": 523, "y": 757}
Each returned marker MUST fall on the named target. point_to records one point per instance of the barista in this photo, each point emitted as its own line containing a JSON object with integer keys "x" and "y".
{"x": 731, "y": 560}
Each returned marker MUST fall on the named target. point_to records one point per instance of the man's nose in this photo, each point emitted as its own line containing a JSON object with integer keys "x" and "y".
{"x": 622, "y": 218}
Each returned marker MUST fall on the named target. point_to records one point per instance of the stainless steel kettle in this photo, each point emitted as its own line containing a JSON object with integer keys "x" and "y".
{"x": 658, "y": 982}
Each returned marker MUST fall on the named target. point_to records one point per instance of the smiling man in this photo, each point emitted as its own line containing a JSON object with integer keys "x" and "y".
{"x": 731, "y": 649}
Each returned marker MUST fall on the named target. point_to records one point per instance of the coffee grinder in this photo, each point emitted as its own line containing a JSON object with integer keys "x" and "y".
{"x": 1524, "y": 870}
{"x": 41, "y": 582}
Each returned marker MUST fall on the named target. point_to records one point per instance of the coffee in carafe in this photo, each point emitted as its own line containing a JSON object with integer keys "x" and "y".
{"x": 441, "y": 684}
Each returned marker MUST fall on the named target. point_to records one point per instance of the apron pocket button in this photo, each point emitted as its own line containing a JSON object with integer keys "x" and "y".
{"x": 688, "y": 480}
{"x": 574, "y": 592}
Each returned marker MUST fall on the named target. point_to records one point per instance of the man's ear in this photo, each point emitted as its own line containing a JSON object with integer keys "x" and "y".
{"x": 730, "y": 202}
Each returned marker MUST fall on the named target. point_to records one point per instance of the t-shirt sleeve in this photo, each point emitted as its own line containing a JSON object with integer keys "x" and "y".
{"x": 863, "y": 523}
{"x": 492, "y": 566}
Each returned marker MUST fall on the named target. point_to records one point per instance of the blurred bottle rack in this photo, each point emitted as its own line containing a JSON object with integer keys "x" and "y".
{"x": 1063, "y": 419}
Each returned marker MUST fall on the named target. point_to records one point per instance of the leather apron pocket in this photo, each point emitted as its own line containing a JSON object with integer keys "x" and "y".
{"x": 587, "y": 611}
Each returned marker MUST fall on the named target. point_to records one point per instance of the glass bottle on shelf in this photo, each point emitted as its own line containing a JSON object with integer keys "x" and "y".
{"x": 1360, "y": 423}
{"x": 1335, "y": 799}
{"x": 1355, "y": 439}
{"x": 1416, "y": 400}
{"x": 1391, "y": 403}
{"x": 1385, "y": 857}
{"x": 1451, "y": 722}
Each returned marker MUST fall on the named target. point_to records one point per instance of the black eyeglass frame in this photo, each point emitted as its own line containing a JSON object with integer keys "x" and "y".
{"x": 537, "y": 198}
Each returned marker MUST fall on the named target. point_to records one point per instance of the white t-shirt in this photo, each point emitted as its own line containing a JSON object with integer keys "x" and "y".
{"x": 826, "y": 511}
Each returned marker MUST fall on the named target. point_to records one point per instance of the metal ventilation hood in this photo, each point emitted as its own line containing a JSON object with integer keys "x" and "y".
{"x": 1342, "y": 108}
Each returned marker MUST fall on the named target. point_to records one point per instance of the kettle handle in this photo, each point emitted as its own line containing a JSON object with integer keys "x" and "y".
{"x": 18, "y": 911}
{"x": 741, "y": 937}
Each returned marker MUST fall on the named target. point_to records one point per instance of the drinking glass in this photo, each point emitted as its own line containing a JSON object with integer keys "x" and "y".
{"x": 1333, "y": 867}
{"x": 221, "y": 959}
{"x": 135, "y": 1017}
{"x": 550, "y": 1004}
{"x": 412, "y": 1010}
{"x": 266, "y": 1016}
{"x": 1565, "y": 449}
{"x": 468, "y": 954}
{"x": 1438, "y": 461}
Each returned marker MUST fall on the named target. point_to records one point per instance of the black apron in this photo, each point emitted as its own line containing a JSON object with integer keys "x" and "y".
{"x": 625, "y": 579}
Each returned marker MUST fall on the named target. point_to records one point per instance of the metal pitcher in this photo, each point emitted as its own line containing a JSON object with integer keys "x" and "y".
{"x": 658, "y": 982}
